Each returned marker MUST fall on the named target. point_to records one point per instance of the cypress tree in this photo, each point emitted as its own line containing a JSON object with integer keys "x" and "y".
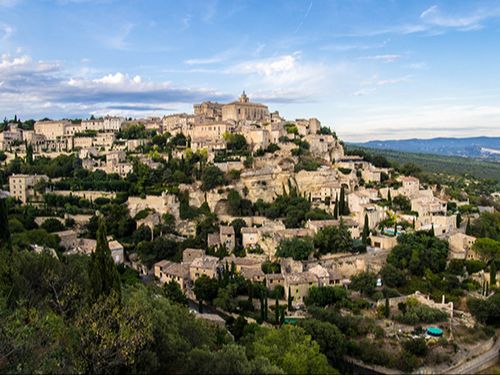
{"x": 29, "y": 154}
{"x": 6, "y": 256}
{"x": 277, "y": 311}
{"x": 336, "y": 207}
{"x": 433, "y": 233}
{"x": 395, "y": 228}
{"x": 389, "y": 198}
{"x": 262, "y": 307}
{"x": 4, "y": 226}
{"x": 366, "y": 231}
{"x": 290, "y": 299}
{"x": 103, "y": 275}
{"x": 459, "y": 220}
{"x": 468, "y": 228}
{"x": 342, "y": 201}
{"x": 387, "y": 308}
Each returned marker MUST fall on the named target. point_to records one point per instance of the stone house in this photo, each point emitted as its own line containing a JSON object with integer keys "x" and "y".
{"x": 274, "y": 279}
{"x": 189, "y": 254}
{"x": 204, "y": 265}
{"x": 250, "y": 237}
{"x": 297, "y": 286}
{"x": 461, "y": 246}
{"x": 21, "y": 186}
{"x": 167, "y": 271}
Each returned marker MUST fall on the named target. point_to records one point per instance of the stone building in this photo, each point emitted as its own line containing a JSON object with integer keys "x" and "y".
{"x": 461, "y": 246}
{"x": 204, "y": 265}
{"x": 54, "y": 129}
{"x": 21, "y": 186}
{"x": 208, "y": 111}
{"x": 244, "y": 110}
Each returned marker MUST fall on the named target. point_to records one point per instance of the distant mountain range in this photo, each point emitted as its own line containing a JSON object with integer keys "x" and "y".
{"x": 475, "y": 147}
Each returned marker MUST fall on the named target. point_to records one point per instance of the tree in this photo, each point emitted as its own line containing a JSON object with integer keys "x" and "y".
{"x": 333, "y": 240}
{"x": 336, "y": 208}
{"x": 52, "y": 225}
{"x": 387, "y": 308}
{"x": 329, "y": 337}
{"x": 291, "y": 349}
{"x": 325, "y": 295}
{"x": 205, "y": 289}
{"x": 297, "y": 248}
{"x": 211, "y": 178}
{"x": 389, "y": 199}
{"x": 364, "y": 282}
{"x": 392, "y": 276}
{"x": 342, "y": 202}
{"x": 29, "y": 154}
{"x": 174, "y": 293}
{"x": 468, "y": 228}
{"x": 366, "y": 231}
{"x": 103, "y": 275}
{"x": 459, "y": 220}
{"x": 487, "y": 248}
{"x": 289, "y": 300}
{"x": 416, "y": 252}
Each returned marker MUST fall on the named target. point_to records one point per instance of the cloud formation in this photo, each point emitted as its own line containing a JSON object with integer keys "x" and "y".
{"x": 38, "y": 86}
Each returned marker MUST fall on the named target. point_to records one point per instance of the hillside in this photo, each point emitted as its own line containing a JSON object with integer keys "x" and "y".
{"x": 455, "y": 165}
{"x": 475, "y": 147}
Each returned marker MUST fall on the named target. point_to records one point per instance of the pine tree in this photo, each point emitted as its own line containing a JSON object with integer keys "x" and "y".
{"x": 366, "y": 231}
{"x": 103, "y": 275}
{"x": 468, "y": 228}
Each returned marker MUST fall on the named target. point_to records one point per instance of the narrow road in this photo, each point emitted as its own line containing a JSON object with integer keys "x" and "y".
{"x": 475, "y": 365}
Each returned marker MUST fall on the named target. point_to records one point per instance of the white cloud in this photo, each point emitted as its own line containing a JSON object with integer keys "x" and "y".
{"x": 465, "y": 22}
{"x": 388, "y": 58}
{"x": 5, "y": 31}
{"x": 39, "y": 88}
{"x": 393, "y": 81}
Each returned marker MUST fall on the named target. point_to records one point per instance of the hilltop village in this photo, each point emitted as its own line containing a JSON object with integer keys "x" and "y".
{"x": 234, "y": 205}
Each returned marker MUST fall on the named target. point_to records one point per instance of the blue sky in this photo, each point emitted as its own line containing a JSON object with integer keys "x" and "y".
{"x": 370, "y": 69}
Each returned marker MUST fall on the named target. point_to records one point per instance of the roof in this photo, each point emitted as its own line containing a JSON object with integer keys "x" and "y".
{"x": 241, "y": 261}
{"x": 226, "y": 230}
{"x": 300, "y": 278}
{"x": 162, "y": 264}
{"x": 205, "y": 261}
{"x": 115, "y": 245}
{"x": 250, "y": 273}
{"x": 275, "y": 276}
{"x": 319, "y": 271}
{"x": 249, "y": 230}
{"x": 66, "y": 233}
{"x": 177, "y": 269}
